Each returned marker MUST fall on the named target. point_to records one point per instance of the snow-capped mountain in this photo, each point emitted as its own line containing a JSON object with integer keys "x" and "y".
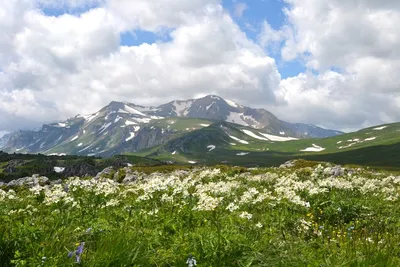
{"x": 216, "y": 108}
{"x": 126, "y": 127}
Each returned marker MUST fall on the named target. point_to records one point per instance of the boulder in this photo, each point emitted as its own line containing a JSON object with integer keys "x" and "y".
{"x": 106, "y": 173}
{"x": 288, "y": 164}
{"x": 334, "y": 171}
{"x": 30, "y": 181}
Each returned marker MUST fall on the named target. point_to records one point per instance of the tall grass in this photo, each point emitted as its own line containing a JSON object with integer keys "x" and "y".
{"x": 293, "y": 217}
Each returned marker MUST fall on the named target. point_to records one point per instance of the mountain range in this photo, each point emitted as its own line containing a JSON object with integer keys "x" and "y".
{"x": 123, "y": 127}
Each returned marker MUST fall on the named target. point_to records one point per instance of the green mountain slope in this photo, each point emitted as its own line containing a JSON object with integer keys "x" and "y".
{"x": 240, "y": 145}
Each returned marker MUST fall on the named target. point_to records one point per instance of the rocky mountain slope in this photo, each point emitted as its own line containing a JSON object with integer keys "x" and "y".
{"x": 125, "y": 127}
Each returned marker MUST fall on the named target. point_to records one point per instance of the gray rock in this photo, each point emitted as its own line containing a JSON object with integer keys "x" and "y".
{"x": 106, "y": 173}
{"x": 130, "y": 177}
{"x": 334, "y": 171}
{"x": 30, "y": 181}
{"x": 288, "y": 164}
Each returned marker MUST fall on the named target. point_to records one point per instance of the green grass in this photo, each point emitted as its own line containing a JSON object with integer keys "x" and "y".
{"x": 227, "y": 217}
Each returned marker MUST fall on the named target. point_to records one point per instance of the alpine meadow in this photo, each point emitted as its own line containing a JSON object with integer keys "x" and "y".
{"x": 156, "y": 133}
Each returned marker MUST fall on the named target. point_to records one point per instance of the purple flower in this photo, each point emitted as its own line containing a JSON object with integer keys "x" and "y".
{"x": 78, "y": 252}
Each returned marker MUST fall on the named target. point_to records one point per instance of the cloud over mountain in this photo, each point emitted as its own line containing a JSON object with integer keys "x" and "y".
{"x": 53, "y": 66}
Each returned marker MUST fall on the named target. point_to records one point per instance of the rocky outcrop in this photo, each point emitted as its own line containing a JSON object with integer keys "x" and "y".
{"x": 288, "y": 164}
{"x": 30, "y": 181}
{"x": 106, "y": 173}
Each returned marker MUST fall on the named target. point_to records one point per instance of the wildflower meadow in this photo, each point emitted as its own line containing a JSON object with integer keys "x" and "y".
{"x": 310, "y": 216}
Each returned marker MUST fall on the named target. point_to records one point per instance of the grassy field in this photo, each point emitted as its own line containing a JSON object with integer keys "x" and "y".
{"x": 301, "y": 216}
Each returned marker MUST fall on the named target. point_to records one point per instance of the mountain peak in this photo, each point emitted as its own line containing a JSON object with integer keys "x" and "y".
{"x": 213, "y": 97}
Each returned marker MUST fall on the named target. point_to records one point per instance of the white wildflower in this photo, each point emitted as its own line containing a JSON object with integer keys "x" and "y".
{"x": 246, "y": 215}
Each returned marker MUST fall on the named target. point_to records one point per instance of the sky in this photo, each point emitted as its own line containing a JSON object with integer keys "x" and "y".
{"x": 332, "y": 63}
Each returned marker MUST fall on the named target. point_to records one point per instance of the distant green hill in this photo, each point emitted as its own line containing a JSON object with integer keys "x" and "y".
{"x": 234, "y": 144}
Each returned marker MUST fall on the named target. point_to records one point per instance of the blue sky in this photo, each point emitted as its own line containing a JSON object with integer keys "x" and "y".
{"x": 251, "y": 21}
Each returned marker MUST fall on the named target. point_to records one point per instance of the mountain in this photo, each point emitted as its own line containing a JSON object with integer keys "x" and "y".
{"x": 122, "y": 127}
{"x": 216, "y": 108}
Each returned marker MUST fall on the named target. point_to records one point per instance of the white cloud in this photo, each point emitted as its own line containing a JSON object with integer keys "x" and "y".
{"x": 52, "y": 68}
{"x": 70, "y": 64}
{"x": 361, "y": 39}
{"x": 329, "y": 99}
{"x": 158, "y": 14}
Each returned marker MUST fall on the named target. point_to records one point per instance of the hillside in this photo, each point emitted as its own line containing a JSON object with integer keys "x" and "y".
{"x": 239, "y": 145}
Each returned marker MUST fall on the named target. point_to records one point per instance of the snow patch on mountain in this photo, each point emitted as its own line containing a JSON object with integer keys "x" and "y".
{"x": 370, "y": 139}
{"x": 76, "y": 137}
{"x": 278, "y": 138}
{"x": 59, "y": 138}
{"x": 133, "y": 111}
{"x": 130, "y": 122}
{"x": 59, "y": 169}
{"x": 122, "y": 111}
{"x": 235, "y": 117}
{"x": 239, "y": 140}
{"x": 255, "y": 123}
{"x": 379, "y": 128}
{"x": 209, "y": 106}
{"x": 250, "y": 133}
{"x": 80, "y": 144}
{"x": 131, "y": 136}
{"x": 143, "y": 120}
{"x": 181, "y": 107}
{"x": 211, "y": 147}
{"x": 173, "y": 153}
{"x": 84, "y": 149}
{"x": 204, "y": 125}
{"x": 192, "y": 162}
{"x": 156, "y": 117}
{"x": 231, "y": 103}
{"x": 314, "y": 148}
{"x": 242, "y": 154}
{"x": 89, "y": 118}
{"x": 105, "y": 126}
{"x": 117, "y": 119}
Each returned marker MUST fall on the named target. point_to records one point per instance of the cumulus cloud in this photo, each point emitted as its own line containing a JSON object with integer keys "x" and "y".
{"x": 159, "y": 14}
{"x": 60, "y": 66}
{"x": 359, "y": 40}
{"x": 53, "y": 67}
